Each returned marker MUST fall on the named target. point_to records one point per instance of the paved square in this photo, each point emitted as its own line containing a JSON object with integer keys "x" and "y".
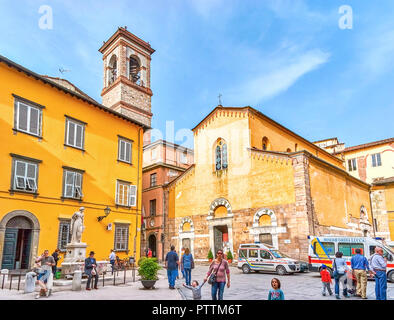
{"x": 255, "y": 286}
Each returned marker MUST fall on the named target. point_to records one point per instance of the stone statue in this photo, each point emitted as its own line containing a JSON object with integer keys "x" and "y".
{"x": 77, "y": 226}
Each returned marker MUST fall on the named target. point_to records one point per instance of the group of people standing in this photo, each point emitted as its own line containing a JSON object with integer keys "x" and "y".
{"x": 360, "y": 267}
{"x": 217, "y": 273}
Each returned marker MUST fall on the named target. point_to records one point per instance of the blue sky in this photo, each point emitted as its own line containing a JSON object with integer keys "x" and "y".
{"x": 287, "y": 58}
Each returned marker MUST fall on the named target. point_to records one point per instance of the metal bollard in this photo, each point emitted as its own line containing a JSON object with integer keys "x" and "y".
{"x": 19, "y": 280}
{"x": 124, "y": 281}
{"x": 114, "y": 277}
{"x": 2, "y": 284}
{"x": 11, "y": 281}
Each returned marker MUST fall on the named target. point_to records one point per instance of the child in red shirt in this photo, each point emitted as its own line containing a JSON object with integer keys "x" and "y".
{"x": 326, "y": 280}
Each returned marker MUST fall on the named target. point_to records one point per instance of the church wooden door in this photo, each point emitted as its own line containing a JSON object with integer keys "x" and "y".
{"x": 9, "y": 251}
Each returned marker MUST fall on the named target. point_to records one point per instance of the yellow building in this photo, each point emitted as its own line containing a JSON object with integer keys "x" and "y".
{"x": 255, "y": 180}
{"x": 62, "y": 150}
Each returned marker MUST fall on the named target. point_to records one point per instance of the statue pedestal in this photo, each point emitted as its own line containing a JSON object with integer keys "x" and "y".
{"x": 74, "y": 259}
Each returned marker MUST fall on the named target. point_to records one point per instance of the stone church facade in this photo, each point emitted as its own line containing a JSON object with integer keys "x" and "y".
{"x": 255, "y": 180}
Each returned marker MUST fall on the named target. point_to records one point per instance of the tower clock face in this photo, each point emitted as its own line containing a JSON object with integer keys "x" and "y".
{"x": 152, "y": 222}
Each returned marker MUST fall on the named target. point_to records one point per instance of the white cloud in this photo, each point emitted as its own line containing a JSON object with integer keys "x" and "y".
{"x": 278, "y": 79}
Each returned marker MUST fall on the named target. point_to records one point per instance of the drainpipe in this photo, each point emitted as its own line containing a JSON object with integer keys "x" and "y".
{"x": 138, "y": 190}
{"x": 164, "y": 225}
{"x": 373, "y": 220}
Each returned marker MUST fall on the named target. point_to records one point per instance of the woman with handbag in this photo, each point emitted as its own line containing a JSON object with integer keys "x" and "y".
{"x": 340, "y": 268}
{"x": 187, "y": 264}
{"x": 216, "y": 276}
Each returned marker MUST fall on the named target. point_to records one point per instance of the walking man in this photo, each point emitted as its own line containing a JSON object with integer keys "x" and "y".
{"x": 360, "y": 266}
{"x": 171, "y": 264}
{"x": 378, "y": 266}
{"x": 112, "y": 258}
{"x": 90, "y": 270}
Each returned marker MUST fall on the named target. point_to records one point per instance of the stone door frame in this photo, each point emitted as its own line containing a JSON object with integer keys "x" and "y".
{"x": 274, "y": 230}
{"x": 35, "y": 236}
{"x": 222, "y": 221}
{"x": 186, "y": 234}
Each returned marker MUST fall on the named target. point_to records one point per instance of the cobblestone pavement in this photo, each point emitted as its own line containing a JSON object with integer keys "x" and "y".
{"x": 255, "y": 286}
{"x": 129, "y": 291}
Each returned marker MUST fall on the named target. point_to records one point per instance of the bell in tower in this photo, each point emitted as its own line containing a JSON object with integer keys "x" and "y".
{"x": 127, "y": 75}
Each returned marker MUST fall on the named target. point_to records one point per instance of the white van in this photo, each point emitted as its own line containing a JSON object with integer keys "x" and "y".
{"x": 322, "y": 251}
{"x": 260, "y": 257}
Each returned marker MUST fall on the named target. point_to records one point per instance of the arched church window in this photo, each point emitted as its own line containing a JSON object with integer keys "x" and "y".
{"x": 112, "y": 70}
{"x": 221, "y": 155}
{"x": 134, "y": 70}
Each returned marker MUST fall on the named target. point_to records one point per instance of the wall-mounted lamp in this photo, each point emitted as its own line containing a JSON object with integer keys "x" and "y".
{"x": 107, "y": 211}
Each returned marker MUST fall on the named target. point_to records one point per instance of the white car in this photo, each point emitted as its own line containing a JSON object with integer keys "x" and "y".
{"x": 260, "y": 257}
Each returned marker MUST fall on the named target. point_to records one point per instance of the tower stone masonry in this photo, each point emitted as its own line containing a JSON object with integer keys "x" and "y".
{"x": 126, "y": 86}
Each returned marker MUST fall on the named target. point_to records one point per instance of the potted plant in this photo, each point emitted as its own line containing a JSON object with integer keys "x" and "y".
{"x": 210, "y": 255}
{"x": 148, "y": 268}
{"x": 229, "y": 257}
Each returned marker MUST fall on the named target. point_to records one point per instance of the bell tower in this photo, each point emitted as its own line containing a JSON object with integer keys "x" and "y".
{"x": 126, "y": 89}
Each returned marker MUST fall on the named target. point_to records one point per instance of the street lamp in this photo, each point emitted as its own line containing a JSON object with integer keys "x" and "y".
{"x": 107, "y": 211}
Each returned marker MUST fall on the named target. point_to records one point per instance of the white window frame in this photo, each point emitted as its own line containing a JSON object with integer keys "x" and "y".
{"x": 76, "y": 126}
{"x": 353, "y": 164}
{"x": 28, "y": 122}
{"x": 59, "y": 241}
{"x": 374, "y": 158}
{"x": 124, "y": 143}
{"x": 154, "y": 154}
{"x": 129, "y": 194}
{"x": 120, "y": 243}
{"x": 28, "y": 182}
{"x": 183, "y": 157}
{"x": 75, "y": 187}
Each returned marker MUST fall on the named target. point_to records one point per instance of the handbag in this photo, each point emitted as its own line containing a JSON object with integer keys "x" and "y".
{"x": 93, "y": 272}
{"x": 336, "y": 274}
{"x": 212, "y": 276}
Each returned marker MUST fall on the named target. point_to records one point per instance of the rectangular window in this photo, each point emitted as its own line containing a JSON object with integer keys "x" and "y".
{"x": 64, "y": 235}
{"x": 72, "y": 187}
{"x": 75, "y": 133}
{"x": 121, "y": 242}
{"x": 352, "y": 164}
{"x": 25, "y": 175}
{"x": 325, "y": 248}
{"x": 376, "y": 160}
{"x": 124, "y": 150}
{"x": 28, "y": 118}
{"x": 152, "y": 206}
{"x": 253, "y": 253}
{"x": 184, "y": 157}
{"x": 126, "y": 194}
{"x": 349, "y": 249}
{"x": 243, "y": 253}
{"x": 154, "y": 154}
{"x": 153, "y": 179}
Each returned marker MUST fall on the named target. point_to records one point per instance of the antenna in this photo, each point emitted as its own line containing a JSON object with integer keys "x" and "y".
{"x": 62, "y": 71}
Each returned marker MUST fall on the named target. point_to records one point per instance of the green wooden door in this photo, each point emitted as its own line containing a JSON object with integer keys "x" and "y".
{"x": 10, "y": 241}
{"x": 26, "y": 246}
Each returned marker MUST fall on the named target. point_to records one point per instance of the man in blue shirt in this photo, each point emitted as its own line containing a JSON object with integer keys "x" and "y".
{"x": 360, "y": 266}
{"x": 172, "y": 262}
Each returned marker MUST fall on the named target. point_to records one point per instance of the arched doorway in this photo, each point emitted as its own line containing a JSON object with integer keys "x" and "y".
{"x": 19, "y": 232}
{"x": 152, "y": 244}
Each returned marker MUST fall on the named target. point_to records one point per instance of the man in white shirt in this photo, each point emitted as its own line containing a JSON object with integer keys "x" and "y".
{"x": 112, "y": 258}
{"x": 378, "y": 265}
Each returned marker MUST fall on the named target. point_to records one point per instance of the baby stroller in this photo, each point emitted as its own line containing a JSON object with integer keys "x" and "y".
{"x": 351, "y": 283}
